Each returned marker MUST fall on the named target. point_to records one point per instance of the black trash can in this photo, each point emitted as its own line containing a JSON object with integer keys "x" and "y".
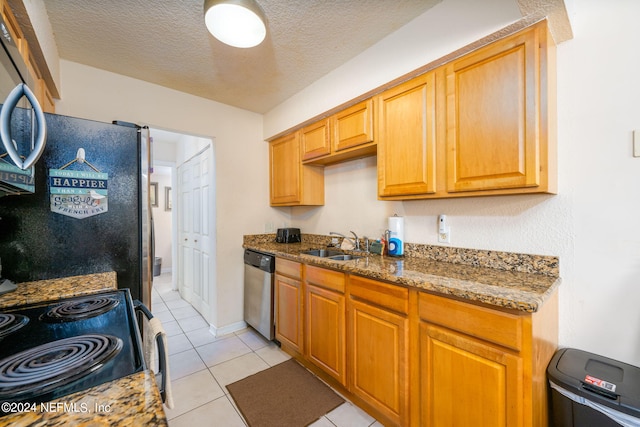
{"x": 157, "y": 266}
{"x": 588, "y": 390}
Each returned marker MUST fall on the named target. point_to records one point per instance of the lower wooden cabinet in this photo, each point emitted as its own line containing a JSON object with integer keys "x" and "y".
{"x": 482, "y": 366}
{"x": 288, "y": 304}
{"x": 456, "y": 369}
{"x": 325, "y": 321}
{"x": 411, "y": 358}
{"x": 379, "y": 347}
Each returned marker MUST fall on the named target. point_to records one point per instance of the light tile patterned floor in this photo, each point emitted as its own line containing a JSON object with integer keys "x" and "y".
{"x": 202, "y": 365}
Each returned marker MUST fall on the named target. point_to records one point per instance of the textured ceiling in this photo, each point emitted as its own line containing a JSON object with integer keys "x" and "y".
{"x": 165, "y": 42}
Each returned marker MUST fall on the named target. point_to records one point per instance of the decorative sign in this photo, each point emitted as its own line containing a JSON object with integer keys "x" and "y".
{"x": 13, "y": 175}
{"x": 78, "y": 194}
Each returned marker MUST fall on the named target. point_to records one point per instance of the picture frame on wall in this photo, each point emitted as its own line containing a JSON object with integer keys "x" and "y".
{"x": 168, "y": 204}
{"x": 153, "y": 194}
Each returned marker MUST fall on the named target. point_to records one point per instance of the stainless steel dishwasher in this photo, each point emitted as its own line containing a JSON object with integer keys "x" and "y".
{"x": 259, "y": 270}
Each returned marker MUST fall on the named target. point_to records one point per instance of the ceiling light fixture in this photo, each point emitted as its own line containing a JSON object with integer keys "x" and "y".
{"x": 238, "y": 23}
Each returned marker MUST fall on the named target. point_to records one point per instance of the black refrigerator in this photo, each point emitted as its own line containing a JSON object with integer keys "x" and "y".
{"x": 90, "y": 210}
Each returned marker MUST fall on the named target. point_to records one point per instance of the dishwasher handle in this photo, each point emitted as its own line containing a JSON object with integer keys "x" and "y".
{"x": 162, "y": 351}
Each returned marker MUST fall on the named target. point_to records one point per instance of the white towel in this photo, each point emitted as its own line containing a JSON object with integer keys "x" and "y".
{"x": 347, "y": 245}
{"x": 151, "y": 354}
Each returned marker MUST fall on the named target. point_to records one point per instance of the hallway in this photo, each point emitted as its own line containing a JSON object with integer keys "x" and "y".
{"x": 202, "y": 365}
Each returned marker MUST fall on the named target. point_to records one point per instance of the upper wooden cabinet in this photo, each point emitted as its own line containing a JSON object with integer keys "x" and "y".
{"x": 344, "y": 136}
{"x": 489, "y": 129}
{"x": 497, "y": 97}
{"x": 405, "y": 131}
{"x": 315, "y": 140}
{"x": 482, "y": 124}
{"x": 292, "y": 183}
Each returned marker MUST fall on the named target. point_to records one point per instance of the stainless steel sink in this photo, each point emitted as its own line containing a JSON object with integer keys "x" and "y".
{"x": 323, "y": 253}
{"x": 344, "y": 257}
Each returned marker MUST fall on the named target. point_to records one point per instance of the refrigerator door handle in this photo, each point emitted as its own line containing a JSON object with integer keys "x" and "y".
{"x": 5, "y": 126}
{"x": 162, "y": 350}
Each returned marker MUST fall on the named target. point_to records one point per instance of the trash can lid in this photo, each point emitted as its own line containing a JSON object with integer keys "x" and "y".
{"x": 597, "y": 378}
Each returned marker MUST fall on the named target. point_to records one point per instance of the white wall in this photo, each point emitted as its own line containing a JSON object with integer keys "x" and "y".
{"x": 239, "y": 150}
{"x": 591, "y": 224}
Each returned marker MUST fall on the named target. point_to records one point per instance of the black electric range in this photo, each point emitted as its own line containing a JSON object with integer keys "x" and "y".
{"x": 56, "y": 348}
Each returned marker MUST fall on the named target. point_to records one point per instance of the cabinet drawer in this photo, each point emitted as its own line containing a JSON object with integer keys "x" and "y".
{"x": 501, "y": 328}
{"x": 288, "y": 268}
{"x": 393, "y": 297}
{"x": 325, "y": 278}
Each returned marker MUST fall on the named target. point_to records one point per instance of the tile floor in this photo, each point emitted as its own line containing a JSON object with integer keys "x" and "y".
{"x": 202, "y": 365}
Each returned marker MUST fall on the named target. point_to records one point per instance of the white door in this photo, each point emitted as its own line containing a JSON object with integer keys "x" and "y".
{"x": 195, "y": 228}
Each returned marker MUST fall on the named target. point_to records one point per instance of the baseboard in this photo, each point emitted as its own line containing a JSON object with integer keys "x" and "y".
{"x": 228, "y": 329}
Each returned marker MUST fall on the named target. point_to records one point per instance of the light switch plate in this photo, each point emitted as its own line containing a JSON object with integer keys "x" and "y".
{"x": 636, "y": 143}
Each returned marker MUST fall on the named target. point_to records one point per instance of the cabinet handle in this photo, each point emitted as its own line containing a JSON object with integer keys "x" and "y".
{"x": 5, "y": 126}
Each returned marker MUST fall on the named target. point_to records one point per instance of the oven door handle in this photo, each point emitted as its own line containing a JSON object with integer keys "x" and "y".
{"x": 162, "y": 356}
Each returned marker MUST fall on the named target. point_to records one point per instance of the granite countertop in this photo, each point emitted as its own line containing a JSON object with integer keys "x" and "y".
{"x": 130, "y": 401}
{"x": 133, "y": 400}
{"x": 524, "y": 286}
{"x": 54, "y": 289}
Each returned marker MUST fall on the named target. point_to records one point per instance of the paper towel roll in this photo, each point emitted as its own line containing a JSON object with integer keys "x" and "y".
{"x": 396, "y": 235}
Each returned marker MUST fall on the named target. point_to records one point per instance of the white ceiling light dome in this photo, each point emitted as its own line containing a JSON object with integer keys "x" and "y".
{"x": 238, "y": 23}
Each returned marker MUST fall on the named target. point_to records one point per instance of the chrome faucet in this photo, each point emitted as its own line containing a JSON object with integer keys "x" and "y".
{"x": 357, "y": 244}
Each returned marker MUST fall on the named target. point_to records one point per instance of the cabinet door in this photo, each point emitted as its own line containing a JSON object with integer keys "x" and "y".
{"x": 315, "y": 140}
{"x": 405, "y": 130}
{"x": 493, "y": 101}
{"x": 379, "y": 359}
{"x": 291, "y": 183}
{"x": 353, "y": 126}
{"x": 465, "y": 382}
{"x": 288, "y": 293}
{"x": 325, "y": 331}
{"x": 284, "y": 168}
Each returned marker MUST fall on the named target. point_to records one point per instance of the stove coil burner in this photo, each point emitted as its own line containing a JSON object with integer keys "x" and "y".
{"x": 79, "y": 309}
{"x": 10, "y": 323}
{"x": 41, "y": 369}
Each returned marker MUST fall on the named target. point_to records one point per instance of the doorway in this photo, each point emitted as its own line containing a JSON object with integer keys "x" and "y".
{"x": 190, "y": 201}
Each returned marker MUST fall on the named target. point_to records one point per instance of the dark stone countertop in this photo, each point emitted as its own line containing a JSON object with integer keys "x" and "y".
{"x": 519, "y": 290}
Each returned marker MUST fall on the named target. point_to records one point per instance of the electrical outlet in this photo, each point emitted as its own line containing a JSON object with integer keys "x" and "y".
{"x": 445, "y": 236}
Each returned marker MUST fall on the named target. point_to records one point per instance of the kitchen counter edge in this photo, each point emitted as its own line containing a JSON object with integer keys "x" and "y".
{"x": 505, "y": 289}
